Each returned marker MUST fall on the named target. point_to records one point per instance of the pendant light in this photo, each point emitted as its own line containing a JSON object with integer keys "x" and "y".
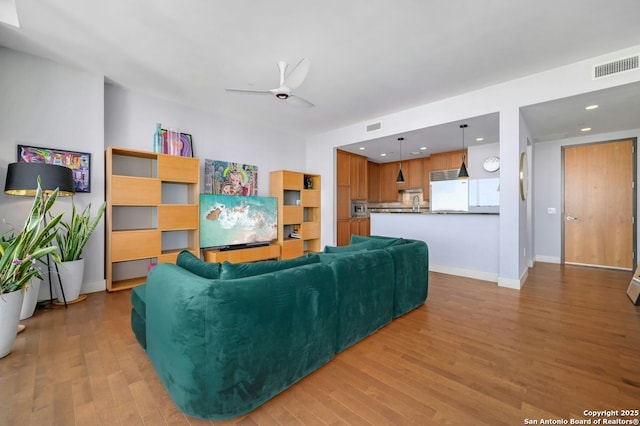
{"x": 463, "y": 168}
{"x": 400, "y": 178}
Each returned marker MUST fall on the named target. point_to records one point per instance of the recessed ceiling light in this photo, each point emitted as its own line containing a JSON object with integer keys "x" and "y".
{"x": 594, "y": 106}
{"x": 383, "y": 155}
{"x": 423, "y": 148}
{"x": 585, "y": 129}
{"x": 479, "y": 139}
{"x": 362, "y": 148}
{"x": 415, "y": 152}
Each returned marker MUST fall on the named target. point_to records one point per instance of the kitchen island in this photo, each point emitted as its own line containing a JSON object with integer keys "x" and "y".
{"x": 465, "y": 244}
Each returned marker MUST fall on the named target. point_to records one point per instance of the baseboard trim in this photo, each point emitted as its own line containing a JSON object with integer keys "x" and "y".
{"x": 548, "y": 259}
{"x": 92, "y": 287}
{"x": 469, "y": 273}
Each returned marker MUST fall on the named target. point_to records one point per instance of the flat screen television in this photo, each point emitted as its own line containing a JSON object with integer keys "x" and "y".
{"x": 231, "y": 221}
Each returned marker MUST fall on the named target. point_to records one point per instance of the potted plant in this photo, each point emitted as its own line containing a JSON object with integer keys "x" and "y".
{"x": 72, "y": 237}
{"x": 18, "y": 263}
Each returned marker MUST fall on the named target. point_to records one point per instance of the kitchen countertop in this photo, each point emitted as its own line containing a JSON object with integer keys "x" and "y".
{"x": 423, "y": 208}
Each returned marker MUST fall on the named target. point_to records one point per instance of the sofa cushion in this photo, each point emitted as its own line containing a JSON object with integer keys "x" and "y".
{"x": 330, "y": 257}
{"x": 195, "y": 265}
{"x": 350, "y": 248}
{"x": 250, "y": 269}
{"x": 377, "y": 240}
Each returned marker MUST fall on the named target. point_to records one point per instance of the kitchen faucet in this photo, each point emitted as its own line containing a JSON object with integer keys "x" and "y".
{"x": 416, "y": 204}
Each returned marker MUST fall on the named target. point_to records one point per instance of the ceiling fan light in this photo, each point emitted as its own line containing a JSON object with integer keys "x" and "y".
{"x": 282, "y": 95}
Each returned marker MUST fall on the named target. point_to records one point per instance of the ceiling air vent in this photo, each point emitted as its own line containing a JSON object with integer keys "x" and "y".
{"x": 374, "y": 126}
{"x": 615, "y": 67}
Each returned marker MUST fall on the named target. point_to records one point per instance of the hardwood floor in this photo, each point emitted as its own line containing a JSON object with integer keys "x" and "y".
{"x": 475, "y": 353}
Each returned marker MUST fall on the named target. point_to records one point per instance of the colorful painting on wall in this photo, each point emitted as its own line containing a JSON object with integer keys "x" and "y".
{"x": 78, "y": 162}
{"x": 222, "y": 177}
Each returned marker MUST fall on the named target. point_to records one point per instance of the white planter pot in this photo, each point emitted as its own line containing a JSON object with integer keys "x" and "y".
{"x": 30, "y": 298}
{"x": 71, "y": 276}
{"x": 10, "y": 305}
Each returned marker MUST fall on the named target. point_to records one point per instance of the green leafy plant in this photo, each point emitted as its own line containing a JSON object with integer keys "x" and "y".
{"x": 74, "y": 235}
{"x": 19, "y": 253}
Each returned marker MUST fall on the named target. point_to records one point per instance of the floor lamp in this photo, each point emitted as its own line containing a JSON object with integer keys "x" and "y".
{"x": 22, "y": 179}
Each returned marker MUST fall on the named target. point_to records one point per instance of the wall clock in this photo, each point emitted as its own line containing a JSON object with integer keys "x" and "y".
{"x": 524, "y": 176}
{"x": 491, "y": 164}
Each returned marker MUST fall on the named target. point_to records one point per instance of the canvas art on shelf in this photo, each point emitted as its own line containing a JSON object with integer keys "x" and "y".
{"x": 183, "y": 147}
{"x": 78, "y": 162}
{"x": 222, "y": 177}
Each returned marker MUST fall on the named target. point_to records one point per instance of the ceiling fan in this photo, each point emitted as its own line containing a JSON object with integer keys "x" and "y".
{"x": 288, "y": 82}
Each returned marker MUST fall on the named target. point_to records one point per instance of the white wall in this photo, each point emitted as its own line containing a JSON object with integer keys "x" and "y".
{"x": 506, "y": 98}
{"x": 548, "y": 191}
{"x": 50, "y": 105}
{"x": 130, "y": 122}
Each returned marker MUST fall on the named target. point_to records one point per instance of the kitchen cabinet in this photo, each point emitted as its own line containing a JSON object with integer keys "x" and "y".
{"x": 448, "y": 160}
{"x": 343, "y": 208}
{"x": 352, "y": 172}
{"x": 388, "y": 186}
{"x": 359, "y": 187}
{"x": 413, "y": 174}
{"x": 360, "y": 226}
{"x": 343, "y": 168}
{"x": 374, "y": 182}
{"x": 343, "y": 230}
{"x": 426, "y": 179}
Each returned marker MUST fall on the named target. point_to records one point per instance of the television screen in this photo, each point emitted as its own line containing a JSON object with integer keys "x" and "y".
{"x": 228, "y": 221}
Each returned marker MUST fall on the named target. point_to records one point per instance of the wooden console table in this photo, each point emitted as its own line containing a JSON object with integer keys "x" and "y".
{"x": 252, "y": 254}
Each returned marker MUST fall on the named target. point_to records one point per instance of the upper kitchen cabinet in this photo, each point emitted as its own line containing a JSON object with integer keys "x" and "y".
{"x": 388, "y": 186}
{"x": 413, "y": 174}
{"x": 352, "y": 172}
{"x": 343, "y": 171}
{"x": 358, "y": 177}
{"x": 447, "y": 160}
{"x": 374, "y": 182}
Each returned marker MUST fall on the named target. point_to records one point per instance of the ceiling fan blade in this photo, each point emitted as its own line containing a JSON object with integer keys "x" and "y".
{"x": 282, "y": 66}
{"x": 297, "y": 75}
{"x": 299, "y": 102}
{"x": 260, "y": 92}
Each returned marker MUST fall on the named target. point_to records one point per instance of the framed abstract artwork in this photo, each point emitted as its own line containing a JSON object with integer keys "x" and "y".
{"x": 78, "y": 162}
{"x": 223, "y": 177}
{"x": 182, "y": 147}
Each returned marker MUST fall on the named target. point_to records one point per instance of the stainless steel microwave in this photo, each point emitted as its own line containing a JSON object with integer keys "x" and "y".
{"x": 359, "y": 208}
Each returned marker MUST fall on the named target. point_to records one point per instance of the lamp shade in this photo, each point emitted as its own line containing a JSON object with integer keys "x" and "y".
{"x": 22, "y": 179}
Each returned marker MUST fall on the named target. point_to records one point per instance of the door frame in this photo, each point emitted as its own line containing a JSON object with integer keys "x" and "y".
{"x": 634, "y": 196}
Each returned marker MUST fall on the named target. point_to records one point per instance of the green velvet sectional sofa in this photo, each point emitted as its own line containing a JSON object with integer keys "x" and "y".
{"x": 225, "y": 338}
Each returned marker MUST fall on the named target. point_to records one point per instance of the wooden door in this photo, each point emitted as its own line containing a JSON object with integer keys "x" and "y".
{"x": 598, "y": 204}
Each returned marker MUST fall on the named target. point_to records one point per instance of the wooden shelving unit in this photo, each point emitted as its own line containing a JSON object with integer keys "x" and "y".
{"x": 298, "y": 210}
{"x": 152, "y": 212}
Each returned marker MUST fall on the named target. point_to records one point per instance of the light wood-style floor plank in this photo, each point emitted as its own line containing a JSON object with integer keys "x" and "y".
{"x": 475, "y": 353}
